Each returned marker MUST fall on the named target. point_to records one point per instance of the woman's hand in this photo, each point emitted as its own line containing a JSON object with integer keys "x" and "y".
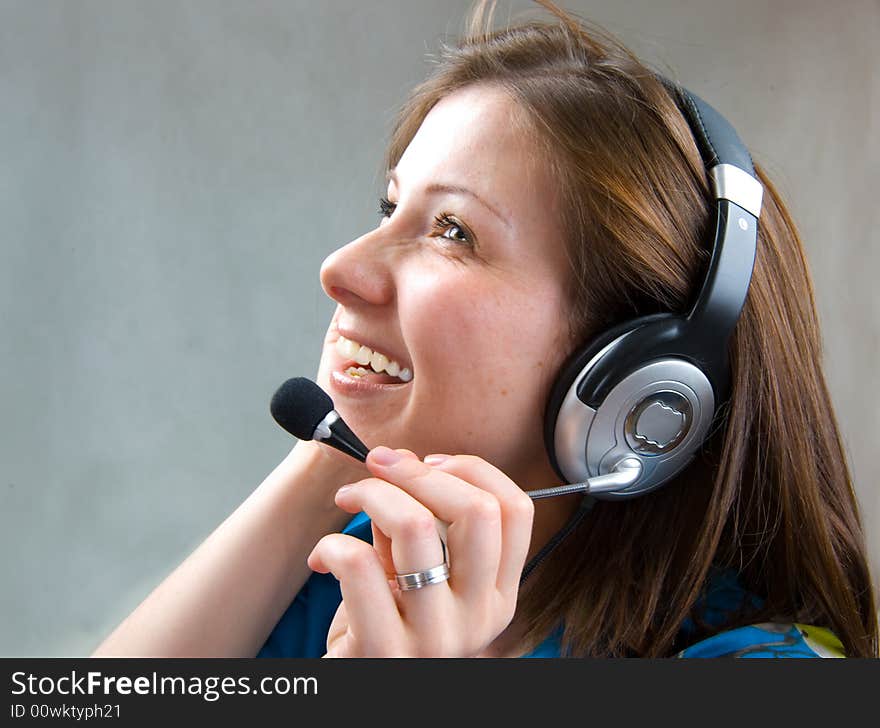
{"x": 490, "y": 526}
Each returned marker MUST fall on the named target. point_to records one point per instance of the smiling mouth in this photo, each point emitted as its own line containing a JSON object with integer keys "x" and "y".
{"x": 362, "y": 362}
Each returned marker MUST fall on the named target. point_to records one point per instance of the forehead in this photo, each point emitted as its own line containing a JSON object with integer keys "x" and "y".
{"x": 476, "y": 137}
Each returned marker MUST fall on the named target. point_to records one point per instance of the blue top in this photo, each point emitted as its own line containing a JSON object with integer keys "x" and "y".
{"x": 302, "y": 629}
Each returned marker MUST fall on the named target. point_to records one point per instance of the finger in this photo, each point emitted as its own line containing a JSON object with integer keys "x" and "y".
{"x": 517, "y": 510}
{"x": 440, "y": 525}
{"x": 382, "y": 544}
{"x": 473, "y": 514}
{"x": 371, "y": 609}
{"x": 415, "y": 543}
{"x": 419, "y": 611}
{"x": 339, "y": 638}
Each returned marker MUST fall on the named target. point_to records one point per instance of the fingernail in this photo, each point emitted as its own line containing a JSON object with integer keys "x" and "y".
{"x": 345, "y": 489}
{"x": 385, "y": 456}
{"x": 436, "y": 459}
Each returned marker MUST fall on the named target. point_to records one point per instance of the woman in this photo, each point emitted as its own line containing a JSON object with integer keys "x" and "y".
{"x": 543, "y": 186}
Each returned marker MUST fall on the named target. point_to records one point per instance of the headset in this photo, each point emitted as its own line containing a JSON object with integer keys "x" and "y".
{"x": 630, "y": 409}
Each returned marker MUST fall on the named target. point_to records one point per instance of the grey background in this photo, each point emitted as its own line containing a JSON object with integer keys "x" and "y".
{"x": 172, "y": 175}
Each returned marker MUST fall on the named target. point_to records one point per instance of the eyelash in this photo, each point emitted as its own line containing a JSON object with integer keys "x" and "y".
{"x": 442, "y": 222}
{"x": 386, "y": 207}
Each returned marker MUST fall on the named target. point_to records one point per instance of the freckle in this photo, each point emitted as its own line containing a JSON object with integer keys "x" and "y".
{"x": 539, "y": 365}
{"x": 503, "y": 392}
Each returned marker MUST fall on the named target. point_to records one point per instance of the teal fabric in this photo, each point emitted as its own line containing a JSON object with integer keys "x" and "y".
{"x": 768, "y": 640}
{"x": 723, "y": 597}
{"x": 302, "y": 630}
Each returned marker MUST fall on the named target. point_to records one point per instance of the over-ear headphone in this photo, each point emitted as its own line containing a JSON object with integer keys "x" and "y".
{"x": 650, "y": 388}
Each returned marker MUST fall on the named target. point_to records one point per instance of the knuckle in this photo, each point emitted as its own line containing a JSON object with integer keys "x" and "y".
{"x": 417, "y": 470}
{"x": 372, "y": 483}
{"x": 503, "y": 610}
{"x": 327, "y": 546}
{"x": 507, "y": 613}
{"x": 356, "y": 556}
{"x": 325, "y": 541}
{"x": 485, "y": 508}
{"x": 508, "y": 606}
{"x": 523, "y": 507}
{"x": 418, "y": 525}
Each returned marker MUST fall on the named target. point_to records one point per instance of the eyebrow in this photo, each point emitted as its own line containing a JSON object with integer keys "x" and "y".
{"x": 439, "y": 188}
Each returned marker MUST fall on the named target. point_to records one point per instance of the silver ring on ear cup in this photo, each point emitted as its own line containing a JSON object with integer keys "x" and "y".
{"x": 659, "y": 423}
{"x": 660, "y": 413}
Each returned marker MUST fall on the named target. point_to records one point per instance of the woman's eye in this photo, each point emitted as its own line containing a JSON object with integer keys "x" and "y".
{"x": 444, "y": 225}
{"x": 386, "y": 207}
{"x": 449, "y": 228}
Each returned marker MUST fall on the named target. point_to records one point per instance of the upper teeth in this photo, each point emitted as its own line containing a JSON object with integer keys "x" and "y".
{"x": 366, "y": 356}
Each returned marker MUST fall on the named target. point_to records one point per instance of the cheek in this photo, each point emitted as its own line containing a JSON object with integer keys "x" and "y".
{"x": 483, "y": 345}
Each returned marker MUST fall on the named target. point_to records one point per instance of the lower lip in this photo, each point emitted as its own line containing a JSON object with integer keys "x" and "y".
{"x": 343, "y": 383}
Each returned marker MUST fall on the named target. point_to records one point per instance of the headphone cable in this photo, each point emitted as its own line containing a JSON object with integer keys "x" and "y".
{"x": 585, "y": 507}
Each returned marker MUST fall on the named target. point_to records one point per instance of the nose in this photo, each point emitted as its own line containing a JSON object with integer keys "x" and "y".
{"x": 358, "y": 273}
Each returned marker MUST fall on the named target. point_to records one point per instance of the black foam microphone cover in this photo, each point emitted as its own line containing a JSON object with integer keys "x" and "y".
{"x": 299, "y": 405}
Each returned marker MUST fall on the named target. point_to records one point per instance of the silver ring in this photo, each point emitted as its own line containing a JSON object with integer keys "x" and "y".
{"x": 419, "y": 579}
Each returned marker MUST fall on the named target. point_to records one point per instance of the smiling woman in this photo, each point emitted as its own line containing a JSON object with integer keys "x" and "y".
{"x": 545, "y": 191}
{"x": 471, "y": 301}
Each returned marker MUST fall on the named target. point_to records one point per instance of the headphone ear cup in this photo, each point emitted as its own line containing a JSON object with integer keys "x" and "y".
{"x": 660, "y": 413}
{"x": 571, "y": 372}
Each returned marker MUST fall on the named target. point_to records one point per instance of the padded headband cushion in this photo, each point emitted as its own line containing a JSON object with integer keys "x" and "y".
{"x": 716, "y": 139}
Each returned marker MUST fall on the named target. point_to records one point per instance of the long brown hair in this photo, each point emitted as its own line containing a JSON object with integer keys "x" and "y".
{"x": 770, "y": 494}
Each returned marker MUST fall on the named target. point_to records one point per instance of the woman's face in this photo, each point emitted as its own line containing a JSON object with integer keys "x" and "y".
{"x": 462, "y": 284}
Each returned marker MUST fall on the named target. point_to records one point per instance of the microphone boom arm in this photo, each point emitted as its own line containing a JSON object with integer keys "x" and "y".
{"x": 333, "y": 431}
{"x": 623, "y": 475}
